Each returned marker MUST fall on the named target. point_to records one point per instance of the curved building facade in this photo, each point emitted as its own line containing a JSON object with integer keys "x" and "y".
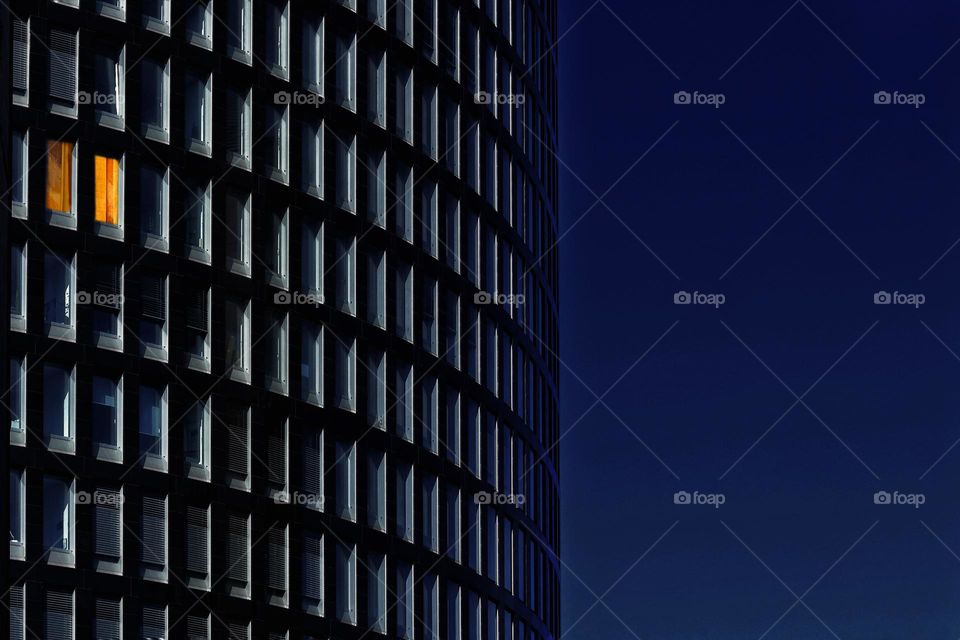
{"x": 283, "y": 319}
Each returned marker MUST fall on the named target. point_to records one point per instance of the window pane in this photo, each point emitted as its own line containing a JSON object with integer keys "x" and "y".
{"x": 106, "y": 189}
{"x": 60, "y": 176}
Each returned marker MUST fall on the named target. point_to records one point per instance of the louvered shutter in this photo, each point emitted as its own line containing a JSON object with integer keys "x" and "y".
{"x": 313, "y": 567}
{"x": 154, "y": 622}
{"x": 237, "y": 547}
{"x": 237, "y": 442}
{"x": 153, "y": 531}
{"x": 107, "y": 524}
{"x": 153, "y": 298}
{"x": 17, "y": 613}
{"x": 239, "y": 631}
{"x": 106, "y": 624}
{"x": 234, "y": 116}
{"x": 58, "y": 615}
{"x": 198, "y": 627}
{"x": 277, "y": 559}
{"x": 197, "y": 311}
{"x": 277, "y": 456}
{"x": 197, "y": 540}
{"x": 108, "y": 285}
{"x": 21, "y": 50}
{"x": 277, "y": 635}
{"x": 312, "y": 466}
{"x": 63, "y": 65}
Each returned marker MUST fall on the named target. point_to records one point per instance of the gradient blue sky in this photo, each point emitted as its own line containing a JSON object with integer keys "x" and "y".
{"x": 883, "y": 208}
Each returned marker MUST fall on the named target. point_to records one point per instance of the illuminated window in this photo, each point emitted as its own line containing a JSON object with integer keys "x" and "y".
{"x": 106, "y": 190}
{"x": 60, "y": 173}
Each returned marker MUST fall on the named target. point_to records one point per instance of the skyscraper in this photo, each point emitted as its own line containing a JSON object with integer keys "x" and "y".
{"x": 283, "y": 319}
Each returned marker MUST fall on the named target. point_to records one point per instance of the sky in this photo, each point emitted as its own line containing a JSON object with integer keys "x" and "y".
{"x": 811, "y": 166}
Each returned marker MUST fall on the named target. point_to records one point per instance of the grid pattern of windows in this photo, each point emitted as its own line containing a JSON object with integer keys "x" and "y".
{"x": 361, "y": 189}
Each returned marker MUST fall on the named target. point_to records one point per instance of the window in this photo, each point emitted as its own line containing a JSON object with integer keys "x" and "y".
{"x": 345, "y": 269}
{"x": 153, "y": 316}
{"x": 377, "y": 593}
{"x": 312, "y": 573}
{"x": 18, "y": 286}
{"x": 276, "y": 463}
{"x": 108, "y": 530}
{"x": 277, "y": 37}
{"x": 198, "y": 328}
{"x": 452, "y": 425}
{"x": 453, "y": 523}
{"x": 346, "y": 480}
{"x": 107, "y": 302}
{"x": 428, "y": 315}
{"x": 377, "y": 188}
{"x": 428, "y": 218}
{"x": 107, "y": 417}
{"x": 403, "y": 222}
{"x": 347, "y": 174}
{"x": 404, "y": 521}
{"x": 20, "y": 161}
{"x": 346, "y": 583}
{"x": 377, "y": 490}
{"x": 277, "y": 249}
{"x": 18, "y": 627}
{"x": 238, "y": 555}
{"x": 17, "y": 399}
{"x": 312, "y": 157}
{"x": 62, "y": 181}
{"x": 403, "y": 411}
{"x": 313, "y": 59}
{"x": 155, "y": 99}
{"x": 403, "y": 20}
{"x": 377, "y": 390}
{"x": 237, "y": 222}
{"x": 275, "y": 559}
{"x": 451, "y": 41}
{"x": 311, "y": 363}
{"x": 345, "y": 89}
{"x": 405, "y": 606}
{"x": 153, "y": 427}
{"x": 403, "y": 307}
{"x": 108, "y": 613}
{"x": 197, "y": 549}
{"x": 240, "y": 30}
{"x": 198, "y": 114}
{"x": 58, "y": 622}
{"x": 428, "y": 124}
{"x": 451, "y": 136}
{"x": 377, "y": 12}
{"x": 276, "y": 146}
{"x": 237, "y": 338}
{"x": 431, "y": 608}
{"x": 454, "y": 616}
{"x": 276, "y": 354}
{"x": 108, "y": 193}
{"x": 377, "y": 88}
{"x": 313, "y": 469}
{"x": 452, "y": 229}
{"x": 431, "y": 510}
{"x": 156, "y": 15}
{"x": 59, "y": 426}
{"x": 235, "y": 432}
{"x": 58, "y": 520}
{"x": 63, "y": 72}
{"x": 109, "y": 98}
{"x": 377, "y": 288}
{"x": 153, "y": 622}
{"x": 21, "y": 61}
{"x": 311, "y": 259}
{"x": 196, "y": 440}
{"x": 199, "y": 24}
{"x": 403, "y": 123}
{"x": 153, "y": 538}
{"x": 429, "y": 410}
{"x": 197, "y": 221}
{"x": 345, "y": 377}
{"x": 18, "y": 498}
{"x": 239, "y": 127}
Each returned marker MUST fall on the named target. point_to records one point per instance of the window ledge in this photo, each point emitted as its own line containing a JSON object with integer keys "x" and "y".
{"x": 110, "y": 120}
{"x": 108, "y": 453}
{"x": 61, "y": 444}
{"x": 157, "y": 134}
{"x": 17, "y": 550}
{"x": 18, "y": 323}
{"x": 107, "y": 230}
{"x": 19, "y": 210}
{"x": 62, "y": 219}
{"x": 198, "y": 255}
{"x": 18, "y": 437}
{"x": 154, "y": 352}
{"x": 158, "y": 26}
{"x": 110, "y": 342}
{"x": 21, "y": 99}
{"x": 200, "y": 40}
{"x": 67, "y": 111}
{"x": 61, "y": 558}
{"x": 156, "y": 243}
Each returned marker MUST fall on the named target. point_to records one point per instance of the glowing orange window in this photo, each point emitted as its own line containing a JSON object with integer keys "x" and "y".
{"x": 107, "y": 189}
{"x": 60, "y": 176}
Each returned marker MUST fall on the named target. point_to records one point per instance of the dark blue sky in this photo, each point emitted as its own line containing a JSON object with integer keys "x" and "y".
{"x": 884, "y": 207}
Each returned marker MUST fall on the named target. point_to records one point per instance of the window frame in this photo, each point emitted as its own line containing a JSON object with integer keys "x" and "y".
{"x": 103, "y": 451}
{"x": 105, "y": 229}
{"x": 149, "y": 460}
{"x": 58, "y": 330}
{"x": 21, "y": 173}
{"x": 54, "y": 217}
{"x": 102, "y": 117}
{"x": 151, "y": 131}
